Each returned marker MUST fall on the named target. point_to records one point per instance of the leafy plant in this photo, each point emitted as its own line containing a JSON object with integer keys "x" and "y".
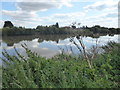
{"x": 62, "y": 71}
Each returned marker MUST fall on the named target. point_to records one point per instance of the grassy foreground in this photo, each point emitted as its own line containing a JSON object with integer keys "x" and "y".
{"x": 63, "y": 71}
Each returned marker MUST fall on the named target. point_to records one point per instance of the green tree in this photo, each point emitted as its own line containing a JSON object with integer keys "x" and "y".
{"x": 57, "y": 25}
{"x": 8, "y": 24}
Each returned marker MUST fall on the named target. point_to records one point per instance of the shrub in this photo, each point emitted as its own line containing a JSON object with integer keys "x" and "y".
{"x": 62, "y": 71}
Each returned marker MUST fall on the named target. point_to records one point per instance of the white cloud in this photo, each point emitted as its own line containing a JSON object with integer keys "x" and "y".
{"x": 42, "y": 5}
{"x": 68, "y": 18}
{"x": 119, "y": 15}
{"x": 51, "y": 0}
{"x": 105, "y": 13}
{"x": 108, "y": 19}
{"x": 21, "y": 15}
{"x": 22, "y": 18}
{"x": 36, "y": 6}
{"x": 66, "y": 3}
{"x": 1, "y": 23}
{"x": 26, "y": 13}
{"x": 101, "y": 5}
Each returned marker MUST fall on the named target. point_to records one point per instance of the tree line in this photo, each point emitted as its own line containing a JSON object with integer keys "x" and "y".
{"x": 10, "y": 29}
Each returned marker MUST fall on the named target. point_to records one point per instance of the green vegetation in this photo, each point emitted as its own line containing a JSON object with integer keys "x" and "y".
{"x": 63, "y": 71}
{"x": 8, "y": 24}
{"x": 10, "y": 30}
{"x": 16, "y": 31}
{"x": 98, "y": 29}
{"x": 0, "y": 76}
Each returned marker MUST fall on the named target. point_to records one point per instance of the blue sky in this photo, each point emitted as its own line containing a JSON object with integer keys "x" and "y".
{"x": 47, "y": 12}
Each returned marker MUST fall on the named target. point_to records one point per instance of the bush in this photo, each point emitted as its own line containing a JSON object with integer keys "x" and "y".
{"x": 62, "y": 71}
{"x": 17, "y": 31}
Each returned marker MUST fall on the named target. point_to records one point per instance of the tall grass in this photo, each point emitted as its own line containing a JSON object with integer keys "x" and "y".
{"x": 62, "y": 71}
{"x": 0, "y": 76}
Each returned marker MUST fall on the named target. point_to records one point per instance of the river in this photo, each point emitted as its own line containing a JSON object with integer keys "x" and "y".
{"x": 51, "y": 45}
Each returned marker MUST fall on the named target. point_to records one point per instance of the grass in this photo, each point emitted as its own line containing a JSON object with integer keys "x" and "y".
{"x": 0, "y": 77}
{"x": 62, "y": 71}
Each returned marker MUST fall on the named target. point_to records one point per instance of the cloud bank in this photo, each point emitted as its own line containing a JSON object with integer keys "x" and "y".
{"x": 27, "y": 13}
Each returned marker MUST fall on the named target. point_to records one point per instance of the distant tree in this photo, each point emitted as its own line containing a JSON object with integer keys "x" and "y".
{"x": 57, "y": 25}
{"x": 83, "y": 27}
{"x": 79, "y": 25}
{"x": 8, "y": 24}
{"x": 20, "y": 27}
{"x": 87, "y": 27}
{"x": 74, "y": 27}
{"x": 74, "y": 23}
{"x": 97, "y": 26}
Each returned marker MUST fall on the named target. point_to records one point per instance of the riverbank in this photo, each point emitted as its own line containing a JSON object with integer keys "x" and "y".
{"x": 52, "y": 30}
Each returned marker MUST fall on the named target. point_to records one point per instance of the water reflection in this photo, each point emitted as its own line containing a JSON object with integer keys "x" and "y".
{"x": 10, "y": 40}
{"x": 49, "y": 46}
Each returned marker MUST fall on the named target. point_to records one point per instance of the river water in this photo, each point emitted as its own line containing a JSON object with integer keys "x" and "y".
{"x": 51, "y": 45}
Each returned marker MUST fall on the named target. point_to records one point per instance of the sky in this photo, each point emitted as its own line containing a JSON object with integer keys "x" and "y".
{"x": 31, "y": 13}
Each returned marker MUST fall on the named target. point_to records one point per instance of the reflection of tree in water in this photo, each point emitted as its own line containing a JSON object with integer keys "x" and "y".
{"x": 10, "y": 40}
{"x": 111, "y": 34}
{"x": 10, "y": 44}
{"x": 96, "y": 35}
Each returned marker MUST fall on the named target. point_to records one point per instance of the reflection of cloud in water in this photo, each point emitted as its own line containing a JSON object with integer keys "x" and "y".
{"x": 105, "y": 39}
{"x": 33, "y": 46}
{"x": 89, "y": 42}
{"x": 51, "y": 48}
{"x": 45, "y": 52}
